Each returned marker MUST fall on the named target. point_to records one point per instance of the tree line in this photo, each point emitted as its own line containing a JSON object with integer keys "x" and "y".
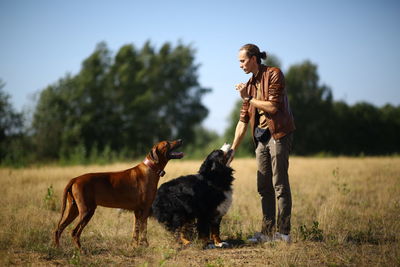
{"x": 328, "y": 127}
{"x": 117, "y": 106}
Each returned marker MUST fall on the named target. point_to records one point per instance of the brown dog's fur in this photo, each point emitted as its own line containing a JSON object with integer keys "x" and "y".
{"x": 132, "y": 189}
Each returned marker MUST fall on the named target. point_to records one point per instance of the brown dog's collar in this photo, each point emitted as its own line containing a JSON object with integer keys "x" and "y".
{"x": 153, "y": 166}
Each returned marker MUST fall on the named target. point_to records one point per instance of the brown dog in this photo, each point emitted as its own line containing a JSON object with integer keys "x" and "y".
{"x": 132, "y": 189}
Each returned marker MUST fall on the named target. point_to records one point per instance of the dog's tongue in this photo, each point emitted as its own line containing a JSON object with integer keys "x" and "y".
{"x": 177, "y": 155}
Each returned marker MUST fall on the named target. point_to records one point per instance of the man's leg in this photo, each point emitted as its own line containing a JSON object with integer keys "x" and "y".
{"x": 280, "y": 150}
{"x": 265, "y": 188}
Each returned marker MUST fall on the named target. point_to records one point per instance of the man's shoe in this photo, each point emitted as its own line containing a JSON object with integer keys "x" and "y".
{"x": 282, "y": 237}
{"x": 259, "y": 238}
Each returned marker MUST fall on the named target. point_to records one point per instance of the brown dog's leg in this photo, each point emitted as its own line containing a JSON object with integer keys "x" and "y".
{"x": 83, "y": 221}
{"x": 72, "y": 213}
{"x": 143, "y": 231}
{"x": 140, "y": 229}
{"x": 136, "y": 228}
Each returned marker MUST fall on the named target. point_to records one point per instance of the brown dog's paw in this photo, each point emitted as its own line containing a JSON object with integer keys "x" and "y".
{"x": 144, "y": 243}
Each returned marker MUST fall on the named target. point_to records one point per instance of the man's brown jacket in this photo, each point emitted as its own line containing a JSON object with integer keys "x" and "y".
{"x": 272, "y": 84}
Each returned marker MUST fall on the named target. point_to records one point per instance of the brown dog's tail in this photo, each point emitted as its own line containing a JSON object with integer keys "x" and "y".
{"x": 67, "y": 190}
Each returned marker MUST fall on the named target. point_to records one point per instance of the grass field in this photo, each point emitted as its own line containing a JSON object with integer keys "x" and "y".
{"x": 346, "y": 212}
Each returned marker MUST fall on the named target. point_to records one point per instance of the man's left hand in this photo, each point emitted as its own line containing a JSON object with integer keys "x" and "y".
{"x": 241, "y": 87}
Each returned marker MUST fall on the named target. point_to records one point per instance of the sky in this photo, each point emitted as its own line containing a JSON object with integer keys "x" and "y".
{"x": 354, "y": 43}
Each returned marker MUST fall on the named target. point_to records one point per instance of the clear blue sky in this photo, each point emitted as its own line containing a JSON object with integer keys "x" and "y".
{"x": 355, "y": 43}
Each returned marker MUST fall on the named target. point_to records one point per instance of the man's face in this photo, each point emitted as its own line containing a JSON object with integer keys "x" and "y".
{"x": 247, "y": 64}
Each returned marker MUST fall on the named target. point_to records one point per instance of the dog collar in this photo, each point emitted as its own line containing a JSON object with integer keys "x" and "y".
{"x": 152, "y": 166}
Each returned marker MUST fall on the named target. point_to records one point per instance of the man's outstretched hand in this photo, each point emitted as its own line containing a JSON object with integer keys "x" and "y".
{"x": 231, "y": 156}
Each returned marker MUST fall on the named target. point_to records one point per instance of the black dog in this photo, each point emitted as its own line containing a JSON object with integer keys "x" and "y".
{"x": 202, "y": 198}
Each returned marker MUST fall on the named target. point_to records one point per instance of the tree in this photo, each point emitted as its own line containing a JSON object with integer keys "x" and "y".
{"x": 311, "y": 104}
{"x": 331, "y": 127}
{"x": 246, "y": 148}
{"x": 11, "y": 126}
{"x": 125, "y": 103}
{"x": 88, "y": 109}
{"x": 177, "y": 93}
{"x": 390, "y": 117}
{"x": 129, "y": 99}
{"x": 10, "y": 120}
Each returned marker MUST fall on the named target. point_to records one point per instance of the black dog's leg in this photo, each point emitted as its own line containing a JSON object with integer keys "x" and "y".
{"x": 215, "y": 225}
{"x": 183, "y": 231}
{"x": 203, "y": 229}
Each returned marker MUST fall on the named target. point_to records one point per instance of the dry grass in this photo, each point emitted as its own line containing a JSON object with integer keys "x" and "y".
{"x": 345, "y": 213}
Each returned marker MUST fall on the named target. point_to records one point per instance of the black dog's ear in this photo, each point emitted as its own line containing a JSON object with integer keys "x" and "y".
{"x": 211, "y": 163}
{"x": 209, "y": 166}
{"x": 154, "y": 155}
{"x": 215, "y": 166}
{"x": 205, "y": 167}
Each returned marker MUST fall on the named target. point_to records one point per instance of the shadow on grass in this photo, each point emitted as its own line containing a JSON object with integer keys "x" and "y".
{"x": 236, "y": 243}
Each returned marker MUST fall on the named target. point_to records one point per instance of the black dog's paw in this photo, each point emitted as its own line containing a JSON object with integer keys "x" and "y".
{"x": 219, "y": 245}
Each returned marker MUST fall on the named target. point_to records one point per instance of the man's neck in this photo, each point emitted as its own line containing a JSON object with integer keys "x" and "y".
{"x": 256, "y": 71}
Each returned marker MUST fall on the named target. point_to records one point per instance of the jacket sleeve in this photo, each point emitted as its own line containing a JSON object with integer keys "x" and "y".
{"x": 276, "y": 86}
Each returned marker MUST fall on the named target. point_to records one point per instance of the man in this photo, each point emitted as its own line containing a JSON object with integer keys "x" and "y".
{"x": 266, "y": 106}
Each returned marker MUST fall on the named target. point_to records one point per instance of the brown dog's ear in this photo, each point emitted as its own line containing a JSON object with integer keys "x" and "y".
{"x": 154, "y": 155}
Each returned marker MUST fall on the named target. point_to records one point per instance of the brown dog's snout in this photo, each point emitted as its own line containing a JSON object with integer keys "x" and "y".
{"x": 172, "y": 154}
{"x": 179, "y": 141}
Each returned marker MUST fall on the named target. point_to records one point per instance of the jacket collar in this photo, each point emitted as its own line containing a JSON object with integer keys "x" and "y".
{"x": 149, "y": 163}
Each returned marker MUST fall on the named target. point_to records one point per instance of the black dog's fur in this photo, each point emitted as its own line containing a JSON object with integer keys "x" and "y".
{"x": 197, "y": 199}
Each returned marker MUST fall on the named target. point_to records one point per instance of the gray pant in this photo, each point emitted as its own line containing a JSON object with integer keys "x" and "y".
{"x": 273, "y": 183}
